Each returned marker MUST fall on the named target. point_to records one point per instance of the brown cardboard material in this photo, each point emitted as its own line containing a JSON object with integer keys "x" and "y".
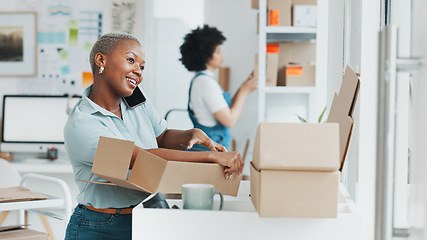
{"x": 296, "y": 146}
{"x": 19, "y": 233}
{"x": 272, "y": 60}
{"x": 283, "y": 8}
{"x": 255, "y": 4}
{"x": 281, "y": 187}
{"x": 224, "y": 78}
{"x": 299, "y": 74}
{"x": 153, "y": 174}
{"x": 342, "y": 109}
{"x": 16, "y": 194}
{"x": 299, "y": 194}
{"x": 297, "y": 52}
{"x": 272, "y": 63}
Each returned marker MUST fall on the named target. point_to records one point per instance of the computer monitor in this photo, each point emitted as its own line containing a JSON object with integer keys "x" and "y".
{"x": 34, "y": 123}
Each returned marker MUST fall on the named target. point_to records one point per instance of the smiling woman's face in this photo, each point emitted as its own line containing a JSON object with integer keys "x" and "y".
{"x": 124, "y": 66}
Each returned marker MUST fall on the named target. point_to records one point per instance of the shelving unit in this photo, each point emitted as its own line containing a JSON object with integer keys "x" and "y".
{"x": 314, "y": 98}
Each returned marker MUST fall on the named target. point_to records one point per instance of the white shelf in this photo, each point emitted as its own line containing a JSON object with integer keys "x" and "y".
{"x": 306, "y": 90}
{"x": 290, "y": 29}
{"x": 289, "y": 34}
{"x": 276, "y": 34}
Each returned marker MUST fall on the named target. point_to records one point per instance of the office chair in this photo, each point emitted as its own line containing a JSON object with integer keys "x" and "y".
{"x": 10, "y": 177}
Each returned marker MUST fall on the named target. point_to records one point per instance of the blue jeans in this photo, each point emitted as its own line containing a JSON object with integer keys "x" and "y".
{"x": 88, "y": 224}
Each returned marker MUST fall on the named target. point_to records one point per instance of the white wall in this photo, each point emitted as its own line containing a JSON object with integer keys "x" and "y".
{"x": 238, "y": 22}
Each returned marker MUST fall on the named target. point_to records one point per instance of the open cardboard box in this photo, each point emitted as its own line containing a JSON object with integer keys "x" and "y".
{"x": 153, "y": 174}
{"x": 295, "y": 166}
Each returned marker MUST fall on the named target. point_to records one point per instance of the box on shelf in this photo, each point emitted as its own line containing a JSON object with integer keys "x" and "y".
{"x": 272, "y": 65}
{"x": 295, "y": 166}
{"x": 279, "y": 12}
{"x": 297, "y": 52}
{"x": 224, "y": 78}
{"x": 294, "y": 52}
{"x": 295, "y": 74}
{"x": 153, "y": 174}
{"x": 304, "y": 13}
{"x": 18, "y": 232}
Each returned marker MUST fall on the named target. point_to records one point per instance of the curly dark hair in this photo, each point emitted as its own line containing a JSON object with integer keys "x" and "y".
{"x": 199, "y": 46}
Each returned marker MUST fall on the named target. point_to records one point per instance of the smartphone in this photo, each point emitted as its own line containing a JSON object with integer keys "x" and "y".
{"x": 136, "y": 99}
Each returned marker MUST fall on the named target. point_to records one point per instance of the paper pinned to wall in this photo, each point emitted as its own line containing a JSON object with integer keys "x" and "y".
{"x": 124, "y": 16}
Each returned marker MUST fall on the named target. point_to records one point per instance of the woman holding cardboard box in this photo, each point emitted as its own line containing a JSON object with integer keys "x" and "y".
{"x": 210, "y": 108}
{"x": 113, "y": 106}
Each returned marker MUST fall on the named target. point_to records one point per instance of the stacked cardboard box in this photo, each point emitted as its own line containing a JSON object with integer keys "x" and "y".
{"x": 297, "y": 54}
{"x": 153, "y": 174}
{"x": 295, "y": 167}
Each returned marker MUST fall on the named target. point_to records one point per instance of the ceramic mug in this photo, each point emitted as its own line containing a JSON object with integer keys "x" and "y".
{"x": 199, "y": 196}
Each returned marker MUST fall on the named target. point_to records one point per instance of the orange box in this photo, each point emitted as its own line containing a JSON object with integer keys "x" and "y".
{"x": 274, "y": 17}
{"x": 273, "y": 48}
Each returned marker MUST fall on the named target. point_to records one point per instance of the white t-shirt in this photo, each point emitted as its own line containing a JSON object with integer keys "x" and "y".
{"x": 206, "y": 98}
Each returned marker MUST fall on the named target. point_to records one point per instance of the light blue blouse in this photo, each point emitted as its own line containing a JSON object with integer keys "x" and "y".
{"x": 86, "y": 123}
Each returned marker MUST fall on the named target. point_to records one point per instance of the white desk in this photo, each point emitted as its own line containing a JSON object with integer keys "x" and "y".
{"x": 43, "y": 166}
{"x": 239, "y": 220}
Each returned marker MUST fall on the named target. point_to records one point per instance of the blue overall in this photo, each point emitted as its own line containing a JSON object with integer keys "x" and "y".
{"x": 218, "y": 133}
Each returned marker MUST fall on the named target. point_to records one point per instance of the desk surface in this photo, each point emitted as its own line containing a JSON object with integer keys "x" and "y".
{"x": 239, "y": 220}
{"x": 35, "y": 165}
{"x": 50, "y": 202}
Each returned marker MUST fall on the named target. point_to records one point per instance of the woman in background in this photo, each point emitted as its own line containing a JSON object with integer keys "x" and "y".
{"x": 104, "y": 211}
{"x": 210, "y": 108}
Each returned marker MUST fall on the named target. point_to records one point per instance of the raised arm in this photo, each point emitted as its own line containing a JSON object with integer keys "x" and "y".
{"x": 228, "y": 116}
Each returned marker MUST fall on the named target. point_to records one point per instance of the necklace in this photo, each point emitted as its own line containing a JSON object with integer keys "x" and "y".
{"x": 117, "y": 109}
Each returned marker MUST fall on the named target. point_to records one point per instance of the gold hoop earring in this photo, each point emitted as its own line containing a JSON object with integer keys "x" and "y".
{"x": 101, "y": 69}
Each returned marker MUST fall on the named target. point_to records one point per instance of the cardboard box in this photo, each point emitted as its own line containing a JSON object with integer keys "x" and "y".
{"x": 153, "y": 174}
{"x": 295, "y": 74}
{"x": 272, "y": 65}
{"x": 297, "y": 52}
{"x": 296, "y": 146}
{"x": 294, "y": 170}
{"x": 294, "y": 52}
{"x": 299, "y": 194}
{"x": 17, "y": 232}
{"x": 279, "y": 12}
{"x": 342, "y": 109}
{"x": 224, "y": 78}
{"x": 304, "y": 13}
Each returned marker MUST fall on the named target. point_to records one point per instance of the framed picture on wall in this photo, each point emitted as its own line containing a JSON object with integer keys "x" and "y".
{"x": 18, "y": 44}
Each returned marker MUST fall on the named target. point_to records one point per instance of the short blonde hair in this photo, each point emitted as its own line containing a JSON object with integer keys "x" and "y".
{"x": 106, "y": 44}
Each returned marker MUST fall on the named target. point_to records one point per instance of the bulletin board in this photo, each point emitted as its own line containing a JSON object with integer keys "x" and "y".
{"x": 65, "y": 35}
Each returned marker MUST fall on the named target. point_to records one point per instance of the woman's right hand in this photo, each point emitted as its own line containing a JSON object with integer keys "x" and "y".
{"x": 232, "y": 161}
{"x": 251, "y": 83}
